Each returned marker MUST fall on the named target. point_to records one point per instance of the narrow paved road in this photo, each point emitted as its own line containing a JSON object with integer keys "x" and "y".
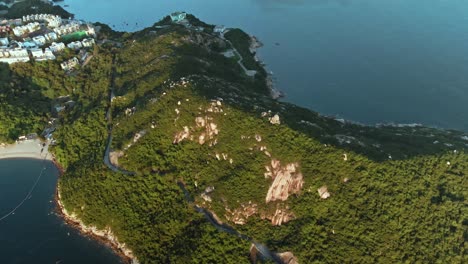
{"x": 248, "y": 72}
{"x": 110, "y": 127}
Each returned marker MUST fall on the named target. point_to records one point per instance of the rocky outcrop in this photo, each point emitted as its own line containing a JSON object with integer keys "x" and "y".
{"x": 180, "y": 136}
{"x": 114, "y": 157}
{"x": 240, "y": 215}
{"x": 287, "y": 180}
{"x": 253, "y": 254}
{"x": 282, "y": 215}
{"x": 323, "y": 192}
{"x": 275, "y": 120}
{"x": 205, "y": 129}
{"x": 288, "y": 258}
{"x": 257, "y": 252}
{"x": 206, "y": 194}
{"x": 105, "y": 234}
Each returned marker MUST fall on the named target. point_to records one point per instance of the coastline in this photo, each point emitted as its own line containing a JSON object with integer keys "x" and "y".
{"x": 26, "y": 149}
{"x": 256, "y": 44}
{"x": 103, "y": 236}
{"x": 33, "y": 149}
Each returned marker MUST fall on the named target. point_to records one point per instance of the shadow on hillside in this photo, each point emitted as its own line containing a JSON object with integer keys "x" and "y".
{"x": 24, "y": 108}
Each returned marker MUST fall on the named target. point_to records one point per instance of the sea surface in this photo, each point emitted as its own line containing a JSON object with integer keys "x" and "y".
{"x": 35, "y": 233}
{"x": 371, "y": 61}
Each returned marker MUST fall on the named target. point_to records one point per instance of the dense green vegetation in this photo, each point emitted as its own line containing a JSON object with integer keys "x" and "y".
{"x": 23, "y": 107}
{"x": 241, "y": 41}
{"x": 407, "y": 209}
{"x": 35, "y": 7}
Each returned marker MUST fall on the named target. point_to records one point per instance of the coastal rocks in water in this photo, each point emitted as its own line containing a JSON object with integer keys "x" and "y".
{"x": 282, "y": 215}
{"x": 287, "y": 180}
{"x": 323, "y": 192}
{"x": 106, "y": 234}
{"x": 275, "y": 120}
{"x": 288, "y": 258}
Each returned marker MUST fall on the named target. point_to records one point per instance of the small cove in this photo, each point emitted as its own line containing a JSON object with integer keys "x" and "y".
{"x": 35, "y": 233}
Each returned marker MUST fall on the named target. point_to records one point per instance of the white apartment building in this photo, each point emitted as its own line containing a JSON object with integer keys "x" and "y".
{"x": 53, "y": 21}
{"x": 56, "y": 47}
{"x": 75, "y": 45}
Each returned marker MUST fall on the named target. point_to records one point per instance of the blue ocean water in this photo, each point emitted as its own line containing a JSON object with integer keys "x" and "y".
{"x": 370, "y": 61}
{"x": 35, "y": 233}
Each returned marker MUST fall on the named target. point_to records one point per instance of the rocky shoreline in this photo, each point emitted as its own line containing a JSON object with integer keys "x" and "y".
{"x": 36, "y": 150}
{"x": 104, "y": 236}
{"x": 255, "y": 44}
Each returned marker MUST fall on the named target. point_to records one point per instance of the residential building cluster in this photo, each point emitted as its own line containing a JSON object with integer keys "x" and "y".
{"x": 28, "y": 28}
{"x": 5, "y": 29}
{"x": 85, "y": 43}
{"x": 69, "y": 64}
{"x": 42, "y": 55}
{"x": 53, "y": 21}
{"x": 68, "y": 28}
{"x": 4, "y": 42}
{"x": 41, "y": 37}
{"x": 14, "y": 55}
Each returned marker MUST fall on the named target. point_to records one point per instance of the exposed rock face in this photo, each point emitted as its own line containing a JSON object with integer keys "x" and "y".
{"x": 285, "y": 257}
{"x": 138, "y": 136}
{"x": 281, "y": 215}
{"x": 184, "y": 134}
{"x": 210, "y": 131}
{"x": 288, "y": 258}
{"x": 114, "y": 157}
{"x": 240, "y": 215}
{"x": 275, "y": 120}
{"x": 206, "y": 194}
{"x": 253, "y": 254}
{"x": 323, "y": 192}
{"x": 258, "y": 138}
{"x": 200, "y": 121}
{"x": 287, "y": 180}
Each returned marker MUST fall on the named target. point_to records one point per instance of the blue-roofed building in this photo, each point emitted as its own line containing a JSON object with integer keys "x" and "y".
{"x": 177, "y": 17}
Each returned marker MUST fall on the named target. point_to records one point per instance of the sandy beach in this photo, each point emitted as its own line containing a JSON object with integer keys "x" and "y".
{"x": 25, "y": 149}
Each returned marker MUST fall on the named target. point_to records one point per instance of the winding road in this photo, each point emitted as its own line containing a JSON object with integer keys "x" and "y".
{"x": 264, "y": 251}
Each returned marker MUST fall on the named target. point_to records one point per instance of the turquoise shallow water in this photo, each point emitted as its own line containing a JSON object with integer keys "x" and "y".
{"x": 370, "y": 61}
{"x": 34, "y": 233}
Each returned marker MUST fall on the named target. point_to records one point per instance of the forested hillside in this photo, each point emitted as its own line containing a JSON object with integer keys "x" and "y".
{"x": 181, "y": 113}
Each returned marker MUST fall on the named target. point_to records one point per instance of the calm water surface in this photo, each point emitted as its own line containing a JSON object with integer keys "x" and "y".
{"x": 366, "y": 60}
{"x": 35, "y": 234}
